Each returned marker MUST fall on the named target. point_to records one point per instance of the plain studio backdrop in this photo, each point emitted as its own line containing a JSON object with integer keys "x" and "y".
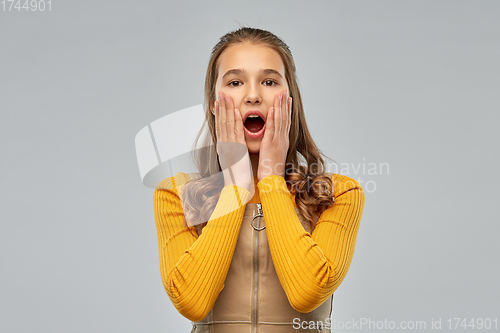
{"x": 403, "y": 95}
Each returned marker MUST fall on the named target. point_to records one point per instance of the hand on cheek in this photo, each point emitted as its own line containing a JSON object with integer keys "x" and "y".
{"x": 231, "y": 145}
{"x": 275, "y": 143}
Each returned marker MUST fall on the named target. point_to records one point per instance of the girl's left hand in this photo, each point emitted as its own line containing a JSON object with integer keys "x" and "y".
{"x": 274, "y": 145}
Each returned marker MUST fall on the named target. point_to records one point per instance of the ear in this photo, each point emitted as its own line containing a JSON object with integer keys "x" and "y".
{"x": 212, "y": 107}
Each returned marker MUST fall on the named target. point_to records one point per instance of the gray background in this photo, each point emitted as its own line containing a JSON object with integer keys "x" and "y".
{"x": 410, "y": 83}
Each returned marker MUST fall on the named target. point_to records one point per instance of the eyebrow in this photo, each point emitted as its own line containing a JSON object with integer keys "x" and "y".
{"x": 238, "y": 71}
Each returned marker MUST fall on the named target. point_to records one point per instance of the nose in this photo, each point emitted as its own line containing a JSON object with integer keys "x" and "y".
{"x": 253, "y": 95}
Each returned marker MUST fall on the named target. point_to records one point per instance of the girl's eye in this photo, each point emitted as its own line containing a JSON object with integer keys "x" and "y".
{"x": 238, "y": 83}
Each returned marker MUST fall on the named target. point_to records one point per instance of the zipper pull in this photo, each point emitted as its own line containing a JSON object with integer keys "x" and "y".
{"x": 259, "y": 207}
{"x": 258, "y": 215}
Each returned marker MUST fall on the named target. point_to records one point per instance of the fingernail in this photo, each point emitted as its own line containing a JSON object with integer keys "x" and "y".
{"x": 227, "y": 100}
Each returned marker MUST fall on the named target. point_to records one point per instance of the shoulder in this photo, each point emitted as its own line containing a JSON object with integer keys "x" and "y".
{"x": 342, "y": 184}
{"x": 179, "y": 179}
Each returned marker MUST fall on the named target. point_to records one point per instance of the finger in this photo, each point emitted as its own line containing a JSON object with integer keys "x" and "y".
{"x": 217, "y": 125}
{"x": 284, "y": 114}
{"x": 277, "y": 107}
{"x": 270, "y": 124}
{"x": 238, "y": 127}
{"x": 230, "y": 119}
{"x": 279, "y": 121}
{"x": 287, "y": 116}
{"x": 289, "y": 125}
{"x": 222, "y": 115}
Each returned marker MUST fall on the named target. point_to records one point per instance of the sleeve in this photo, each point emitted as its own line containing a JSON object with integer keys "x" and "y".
{"x": 193, "y": 269}
{"x": 311, "y": 267}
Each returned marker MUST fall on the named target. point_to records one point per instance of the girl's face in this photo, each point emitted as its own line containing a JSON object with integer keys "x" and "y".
{"x": 252, "y": 75}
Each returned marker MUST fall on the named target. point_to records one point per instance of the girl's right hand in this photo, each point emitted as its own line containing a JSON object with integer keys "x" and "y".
{"x": 231, "y": 145}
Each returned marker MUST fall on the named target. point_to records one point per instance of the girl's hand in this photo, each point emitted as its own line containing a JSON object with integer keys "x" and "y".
{"x": 231, "y": 145}
{"x": 274, "y": 145}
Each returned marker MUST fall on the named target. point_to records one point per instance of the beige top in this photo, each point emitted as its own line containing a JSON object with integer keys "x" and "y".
{"x": 253, "y": 300}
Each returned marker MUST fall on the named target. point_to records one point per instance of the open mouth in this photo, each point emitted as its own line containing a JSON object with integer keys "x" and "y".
{"x": 254, "y": 123}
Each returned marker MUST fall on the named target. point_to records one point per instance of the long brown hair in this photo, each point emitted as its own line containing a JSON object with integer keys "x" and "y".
{"x": 304, "y": 167}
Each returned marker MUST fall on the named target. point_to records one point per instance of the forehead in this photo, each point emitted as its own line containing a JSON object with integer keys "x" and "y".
{"x": 251, "y": 58}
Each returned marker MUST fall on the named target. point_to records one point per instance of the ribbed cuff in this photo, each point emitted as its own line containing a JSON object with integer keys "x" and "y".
{"x": 277, "y": 203}
{"x": 231, "y": 199}
{"x": 273, "y": 183}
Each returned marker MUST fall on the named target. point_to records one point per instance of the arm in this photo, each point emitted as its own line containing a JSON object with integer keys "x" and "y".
{"x": 193, "y": 269}
{"x": 311, "y": 267}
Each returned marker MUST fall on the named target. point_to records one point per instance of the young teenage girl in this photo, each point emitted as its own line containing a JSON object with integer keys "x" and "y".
{"x": 257, "y": 242}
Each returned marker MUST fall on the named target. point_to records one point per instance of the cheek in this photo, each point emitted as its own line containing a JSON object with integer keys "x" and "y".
{"x": 269, "y": 98}
{"x": 236, "y": 97}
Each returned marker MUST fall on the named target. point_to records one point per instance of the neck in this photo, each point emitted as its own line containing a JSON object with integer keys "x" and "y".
{"x": 254, "y": 158}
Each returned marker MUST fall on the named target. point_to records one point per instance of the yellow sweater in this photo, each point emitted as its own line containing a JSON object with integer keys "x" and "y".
{"x": 310, "y": 267}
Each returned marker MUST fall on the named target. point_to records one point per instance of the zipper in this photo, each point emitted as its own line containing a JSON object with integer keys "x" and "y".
{"x": 259, "y": 215}
{"x": 256, "y": 266}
